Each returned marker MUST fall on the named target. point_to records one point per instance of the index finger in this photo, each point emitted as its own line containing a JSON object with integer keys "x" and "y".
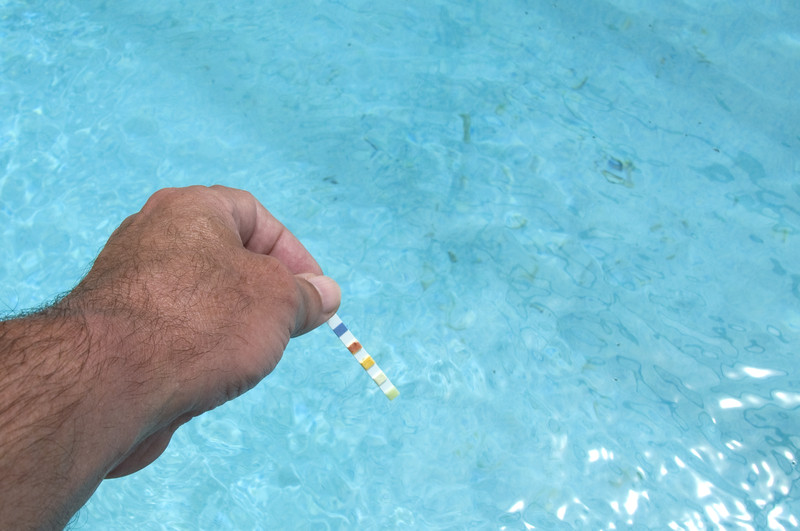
{"x": 262, "y": 233}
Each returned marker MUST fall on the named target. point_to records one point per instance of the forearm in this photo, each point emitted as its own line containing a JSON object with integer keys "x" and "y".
{"x": 57, "y": 440}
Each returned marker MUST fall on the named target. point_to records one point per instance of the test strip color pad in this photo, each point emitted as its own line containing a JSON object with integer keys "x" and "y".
{"x": 361, "y": 355}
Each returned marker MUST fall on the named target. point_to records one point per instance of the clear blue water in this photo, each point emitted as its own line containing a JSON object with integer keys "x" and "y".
{"x": 569, "y": 231}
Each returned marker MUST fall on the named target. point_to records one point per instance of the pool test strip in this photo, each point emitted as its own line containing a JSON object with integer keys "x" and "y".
{"x": 361, "y": 355}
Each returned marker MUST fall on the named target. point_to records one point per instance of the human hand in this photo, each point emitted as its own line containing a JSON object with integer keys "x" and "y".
{"x": 194, "y": 299}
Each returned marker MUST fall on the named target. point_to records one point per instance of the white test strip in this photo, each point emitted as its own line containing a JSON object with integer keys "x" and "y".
{"x": 363, "y": 358}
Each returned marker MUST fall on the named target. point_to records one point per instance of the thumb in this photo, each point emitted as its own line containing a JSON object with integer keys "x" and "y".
{"x": 319, "y": 299}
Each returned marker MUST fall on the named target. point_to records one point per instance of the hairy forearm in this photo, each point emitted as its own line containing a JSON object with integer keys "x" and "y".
{"x": 51, "y": 395}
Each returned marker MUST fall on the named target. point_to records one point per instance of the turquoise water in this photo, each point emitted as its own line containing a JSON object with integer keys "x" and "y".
{"x": 568, "y": 231}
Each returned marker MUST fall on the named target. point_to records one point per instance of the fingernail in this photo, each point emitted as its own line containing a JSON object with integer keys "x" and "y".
{"x": 328, "y": 290}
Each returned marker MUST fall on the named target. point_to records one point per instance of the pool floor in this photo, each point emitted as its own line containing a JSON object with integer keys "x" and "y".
{"x": 568, "y": 231}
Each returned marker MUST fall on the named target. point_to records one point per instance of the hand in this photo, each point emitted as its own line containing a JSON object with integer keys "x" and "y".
{"x": 191, "y": 303}
{"x": 201, "y": 291}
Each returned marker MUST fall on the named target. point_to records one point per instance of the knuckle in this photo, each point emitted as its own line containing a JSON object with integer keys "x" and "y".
{"x": 160, "y": 199}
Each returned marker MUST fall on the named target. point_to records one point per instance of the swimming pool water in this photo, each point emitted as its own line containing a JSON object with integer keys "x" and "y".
{"x": 568, "y": 231}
